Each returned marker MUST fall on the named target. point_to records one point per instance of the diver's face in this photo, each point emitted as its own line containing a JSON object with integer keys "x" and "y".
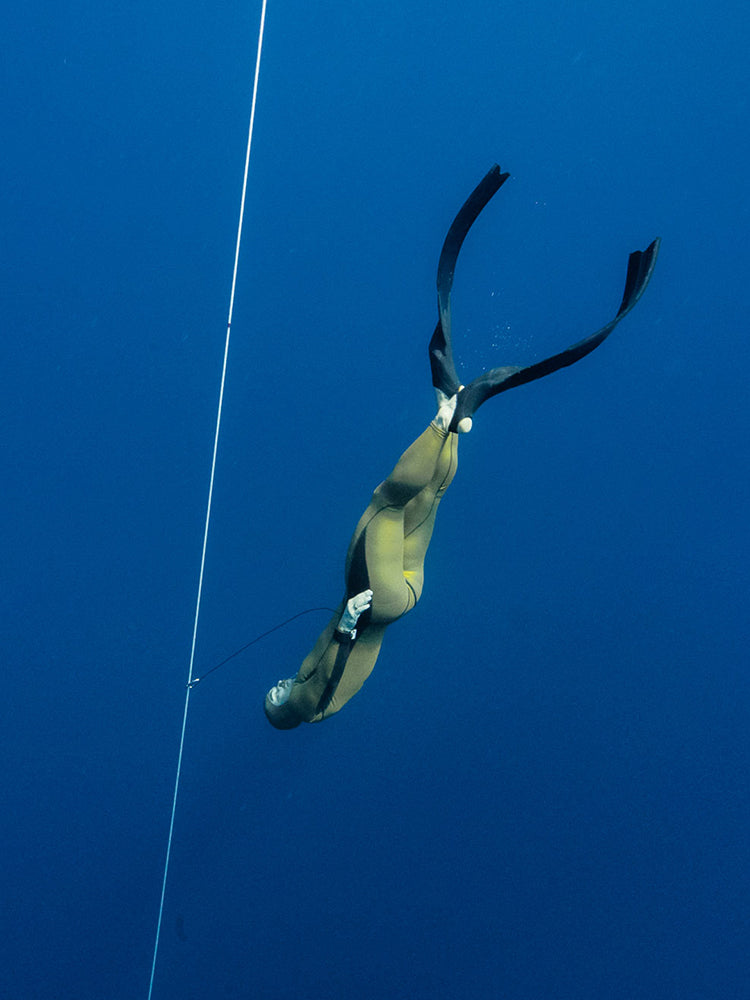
{"x": 279, "y": 694}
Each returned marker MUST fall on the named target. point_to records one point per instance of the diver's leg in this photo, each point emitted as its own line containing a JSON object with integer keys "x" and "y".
{"x": 420, "y": 513}
{"x": 424, "y": 461}
{"x": 375, "y": 560}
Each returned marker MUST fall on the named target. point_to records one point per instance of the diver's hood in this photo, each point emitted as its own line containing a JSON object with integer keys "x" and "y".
{"x": 281, "y": 716}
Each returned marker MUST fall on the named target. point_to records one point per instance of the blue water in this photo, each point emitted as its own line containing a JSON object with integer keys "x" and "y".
{"x": 542, "y": 789}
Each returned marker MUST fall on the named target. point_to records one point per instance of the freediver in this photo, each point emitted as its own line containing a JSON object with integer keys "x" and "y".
{"x": 384, "y": 570}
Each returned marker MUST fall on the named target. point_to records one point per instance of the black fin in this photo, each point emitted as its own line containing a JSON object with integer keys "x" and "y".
{"x": 640, "y": 268}
{"x": 441, "y": 352}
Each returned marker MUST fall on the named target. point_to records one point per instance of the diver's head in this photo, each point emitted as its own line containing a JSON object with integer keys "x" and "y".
{"x": 278, "y": 712}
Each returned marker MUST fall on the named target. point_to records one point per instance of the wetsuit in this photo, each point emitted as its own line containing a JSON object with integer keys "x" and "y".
{"x": 386, "y": 555}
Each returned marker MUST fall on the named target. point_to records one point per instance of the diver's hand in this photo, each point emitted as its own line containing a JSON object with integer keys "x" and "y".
{"x": 354, "y": 608}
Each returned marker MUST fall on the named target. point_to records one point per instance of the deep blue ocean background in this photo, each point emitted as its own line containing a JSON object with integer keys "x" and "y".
{"x": 542, "y": 791}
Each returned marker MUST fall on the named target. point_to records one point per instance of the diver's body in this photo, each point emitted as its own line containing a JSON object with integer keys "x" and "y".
{"x": 385, "y": 569}
{"x": 385, "y": 560}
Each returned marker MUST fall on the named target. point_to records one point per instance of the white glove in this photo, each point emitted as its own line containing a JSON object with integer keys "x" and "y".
{"x": 354, "y": 608}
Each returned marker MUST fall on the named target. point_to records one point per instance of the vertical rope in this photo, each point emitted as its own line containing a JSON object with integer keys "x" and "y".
{"x": 210, "y": 494}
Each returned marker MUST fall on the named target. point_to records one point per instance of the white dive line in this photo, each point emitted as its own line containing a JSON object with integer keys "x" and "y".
{"x": 210, "y": 492}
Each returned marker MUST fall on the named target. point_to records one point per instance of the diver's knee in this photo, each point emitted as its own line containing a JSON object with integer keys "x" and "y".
{"x": 384, "y": 612}
{"x": 389, "y": 606}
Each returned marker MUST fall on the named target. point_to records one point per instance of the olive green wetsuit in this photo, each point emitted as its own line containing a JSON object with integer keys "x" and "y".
{"x": 386, "y": 555}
